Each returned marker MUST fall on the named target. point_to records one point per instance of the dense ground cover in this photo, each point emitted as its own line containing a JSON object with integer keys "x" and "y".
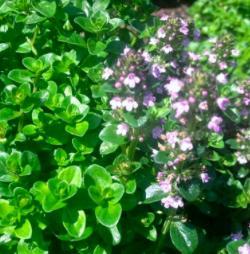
{"x": 119, "y": 132}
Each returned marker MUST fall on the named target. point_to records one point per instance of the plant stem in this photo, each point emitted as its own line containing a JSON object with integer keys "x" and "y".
{"x": 164, "y": 231}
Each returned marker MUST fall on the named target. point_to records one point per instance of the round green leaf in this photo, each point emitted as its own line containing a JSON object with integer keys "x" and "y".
{"x": 74, "y": 222}
{"x": 109, "y": 215}
{"x": 46, "y": 8}
{"x": 184, "y": 237}
{"x": 24, "y": 231}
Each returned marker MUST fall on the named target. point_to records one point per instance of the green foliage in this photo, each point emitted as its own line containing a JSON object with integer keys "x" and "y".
{"x": 216, "y": 18}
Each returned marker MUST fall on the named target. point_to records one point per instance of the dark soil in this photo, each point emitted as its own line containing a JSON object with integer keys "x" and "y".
{"x": 176, "y": 8}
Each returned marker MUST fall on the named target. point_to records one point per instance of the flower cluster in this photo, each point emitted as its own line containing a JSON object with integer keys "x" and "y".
{"x": 167, "y": 80}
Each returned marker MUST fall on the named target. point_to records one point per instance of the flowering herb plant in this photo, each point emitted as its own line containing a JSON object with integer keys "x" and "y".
{"x": 118, "y": 137}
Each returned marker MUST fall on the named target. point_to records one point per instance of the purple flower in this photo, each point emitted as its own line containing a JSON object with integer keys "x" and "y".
{"x": 215, "y": 124}
{"x": 184, "y": 29}
{"x": 236, "y": 236}
{"x": 174, "y": 86}
{"x": 172, "y": 201}
{"x": 223, "y": 103}
{"x": 186, "y": 144}
{"x": 244, "y": 249}
{"x": 116, "y": 103}
{"x": 122, "y": 129}
{"x": 203, "y": 106}
{"x": 157, "y": 70}
{"x": 181, "y": 107}
{"x": 205, "y": 178}
{"x": 107, "y": 72}
{"x": 126, "y": 51}
{"x": 149, "y": 100}
{"x": 131, "y": 80}
{"x": 129, "y": 104}
{"x": 221, "y": 78}
{"x": 197, "y": 34}
{"x": 166, "y": 184}
{"x": 167, "y": 49}
{"x": 156, "y": 132}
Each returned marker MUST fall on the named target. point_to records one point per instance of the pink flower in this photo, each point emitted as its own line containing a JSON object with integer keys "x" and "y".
{"x": 146, "y": 56}
{"x": 244, "y": 249}
{"x": 161, "y": 33}
{"x": 129, "y": 104}
{"x": 223, "y": 103}
{"x": 131, "y": 80}
{"x": 221, "y": 78}
{"x": 164, "y": 17}
{"x": 181, "y": 107}
{"x": 174, "y": 86}
{"x": 116, "y": 103}
{"x": 172, "y": 138}
{"x": 235, "y": 52}
{"x": 153, "y": 41}
{"x": 189, "y": 71}
{"x": 166, "y": 185}
{"x": 149, "y": 100}
{"x": 222, "y": 65}
{"x": 186, "y": 144}
{"x": 212, "y": 58}
{"x": 126, "y": 51}
{"x": 241, "y": 158}
{"x": 167, "y": 49}
{"x": 172, "y": 201}
{"x": 203, "y": 106}
{"x": 193, "y": 56}
{"x": 215, "y": 124}
{"x": 122, "y": 129}
{"x": 107, "y": 72}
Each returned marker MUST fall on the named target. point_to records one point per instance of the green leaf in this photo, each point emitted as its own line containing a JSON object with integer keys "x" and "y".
{"x": 97, "y": 175}
{"x": 72, "y": 175}
{"x": 233, "y": 246}
{"x": 154, "y": 193}
{"x": 46, "y": 8}
{"x": 107, "y": 148}
{"x": 117, "y": 192}
{"x": 20, "y": 75}
{"x": 215, "y": 140}
{"x": 100, "y": 5}
{"x": 74, "y": 222}
{"x": 4, "y": 46}
{"x": 108, "y": 134}
{"x": 79, "y": 129}
{"x": 96, "y": 48}
{"x": 184, "y": 237}
{"x": 108, "y": 215}
{"x": 7, "y": 114}
{"x": 73, "y": 39}
{"x": 24, "y": 231}
{"x": 29, "y": 129}
{"x": 95, "y": 194}
{"x": 161, "y": 157}
{"x": 190, "y": 190}
{"x": 32, "y": 64}
{"x": 86, "y": 24}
